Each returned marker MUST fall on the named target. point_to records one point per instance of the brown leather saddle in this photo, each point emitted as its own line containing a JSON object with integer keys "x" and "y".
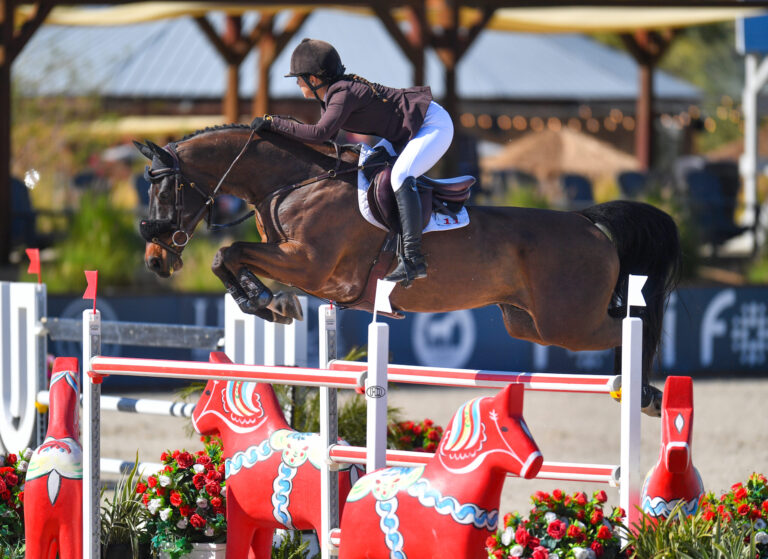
{"x": 444, "y": 196}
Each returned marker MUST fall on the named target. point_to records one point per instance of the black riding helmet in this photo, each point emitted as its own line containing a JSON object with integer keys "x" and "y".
{"x": 316, "y": 58}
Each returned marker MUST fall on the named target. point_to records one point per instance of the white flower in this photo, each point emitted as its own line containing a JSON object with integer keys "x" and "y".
{"x": 553, "y": 556}
{"x": 761, "y": 537}
{"x": 166, "y": 513}
{"x": 198, "y": 468}
{"x": 507, "y": 536}
{"x": 27, "y": 454}
{"x": 760, "y": 524}
{"x": 550, "y": 517}
{"x": 154, "y": 505}
{"x": 208, "y": 531}
{"x": 202, "y": 503}
{"x": 517, "y": 551}
{"x": 181, "y": 524}
{"x": 581, "y": 553}
{"x": 22, "y": 466}
{"x": 164, "y": 481}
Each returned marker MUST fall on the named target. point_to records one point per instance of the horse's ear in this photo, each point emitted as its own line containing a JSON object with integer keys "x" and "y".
{"x": 165, "y": 157}
{"x": 513, "y": 394}
{"x": 145, "y": 150}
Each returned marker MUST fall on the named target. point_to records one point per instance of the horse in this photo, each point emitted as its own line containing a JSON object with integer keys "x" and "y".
{"x": 674, "y": 478}
{"x": 272, "y": 471}
{"x": 451, "y": 503}
{"x": 53, "y": 492}
{"x": 559, "y": 277}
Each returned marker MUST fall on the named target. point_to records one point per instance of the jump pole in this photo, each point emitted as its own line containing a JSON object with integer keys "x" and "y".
{"x": 91, "y": 437}
{"x": 329, "y": 432}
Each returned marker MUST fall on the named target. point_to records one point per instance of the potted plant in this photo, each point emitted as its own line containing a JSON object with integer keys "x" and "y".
{"x": 123, "y": 520}
{"x": 186, "y": 504}
{"x": 560, "y": 526}
{"x": 13, "y": 472}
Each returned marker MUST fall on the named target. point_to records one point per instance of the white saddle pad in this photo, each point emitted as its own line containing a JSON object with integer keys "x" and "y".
{"x": 437, "y": 222}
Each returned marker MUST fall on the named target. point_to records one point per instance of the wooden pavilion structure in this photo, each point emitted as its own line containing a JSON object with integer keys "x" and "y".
{"x": 447, "y": 26}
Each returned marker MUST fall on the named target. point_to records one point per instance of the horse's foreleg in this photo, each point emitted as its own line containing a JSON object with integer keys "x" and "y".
{"x": 233, "y": 265}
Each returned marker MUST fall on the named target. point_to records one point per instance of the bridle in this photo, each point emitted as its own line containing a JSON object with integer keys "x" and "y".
{"x": 152, "y": 229}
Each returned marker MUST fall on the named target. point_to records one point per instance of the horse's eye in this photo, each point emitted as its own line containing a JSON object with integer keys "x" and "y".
{"x": 504, "y": 429}
{"x": 207, "y": 392}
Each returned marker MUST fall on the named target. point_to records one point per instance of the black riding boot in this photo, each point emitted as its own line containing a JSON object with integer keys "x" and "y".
{"x": 412, "y": 265}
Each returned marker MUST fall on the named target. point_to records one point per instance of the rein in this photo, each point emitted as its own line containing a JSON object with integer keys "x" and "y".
{"x": 151, "y": 230}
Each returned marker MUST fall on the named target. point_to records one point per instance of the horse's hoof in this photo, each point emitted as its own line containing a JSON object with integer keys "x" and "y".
{"x": 287, "y": 305}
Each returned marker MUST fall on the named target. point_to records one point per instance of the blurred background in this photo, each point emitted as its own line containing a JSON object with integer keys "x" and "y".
{"x": 557, "y": 107}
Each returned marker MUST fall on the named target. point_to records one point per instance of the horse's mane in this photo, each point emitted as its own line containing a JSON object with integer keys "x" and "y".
{"x": 216, "y": 128}
{"x": 273, "y": 137}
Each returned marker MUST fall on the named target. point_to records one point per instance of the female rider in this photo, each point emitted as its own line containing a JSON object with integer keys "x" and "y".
{"x": 419, "y": 129}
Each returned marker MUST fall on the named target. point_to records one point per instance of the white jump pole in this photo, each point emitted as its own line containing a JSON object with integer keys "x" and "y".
{"x": 631, "y": 387}
{"x": 376, "y": 395}
{"x": 329, "y": 433}
{"x": 91, "y": 437}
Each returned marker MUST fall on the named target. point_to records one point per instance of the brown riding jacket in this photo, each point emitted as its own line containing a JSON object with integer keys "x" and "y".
{"x": 395, "y": 114}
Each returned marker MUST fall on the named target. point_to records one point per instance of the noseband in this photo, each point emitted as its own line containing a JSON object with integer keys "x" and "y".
{"x": 152, "y": 229}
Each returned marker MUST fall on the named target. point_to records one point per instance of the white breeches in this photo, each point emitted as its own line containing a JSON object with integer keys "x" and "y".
{"x": 426, "y": 148}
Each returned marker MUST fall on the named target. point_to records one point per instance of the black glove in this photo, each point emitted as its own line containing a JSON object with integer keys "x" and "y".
{"x": 259, "y": 124}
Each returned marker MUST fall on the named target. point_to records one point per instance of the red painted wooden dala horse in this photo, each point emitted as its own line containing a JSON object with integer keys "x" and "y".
{"x": 559, "y": 278}
{"x": 272, "y": 471}
{"x": 53, "y": 493}
{"x": 674, "y": 477}
{"x": 448, "y": 507}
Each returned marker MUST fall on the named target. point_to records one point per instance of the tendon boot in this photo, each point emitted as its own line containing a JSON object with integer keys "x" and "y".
{"x": 411, "y": 265}
{"x": 650, "y": 398}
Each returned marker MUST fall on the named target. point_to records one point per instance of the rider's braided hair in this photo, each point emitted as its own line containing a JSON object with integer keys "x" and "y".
{"x": 374, "y": 87}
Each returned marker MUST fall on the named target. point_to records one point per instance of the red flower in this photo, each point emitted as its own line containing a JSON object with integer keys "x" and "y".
{"x": 499, "y": 553}
{"x": 145, "y": 499}
{"x": 216, "y": 502}
{"x": 161, "y": 491}
{"x": 164, "y": 456}
{"x": 708, "y": 514}
{"x": 740, "y": 494}
{"x": 534, "y": 542}
{"x": 212, "y": 488}
{"x": 433, "y": 435}
{"x": 185, "y": 460}
{"x": 11, "y": 480}
{"x": 490, "y": 541}
{"x": 556, "y": 529}
{"x": 175, "y": 498}
{"x": 581, "y": 499}
{"x": 431, "y": 447}
{"x": 12, "y": 459}
{"x": 597, "y": 517}
{"x": 152, "y": 481}
{"x": 203, "y": 459}
{"x": 417, "y": 429}
{"x": 221, "y": 469}
{"x": 601, "y": 497}
{"x": 540, "y": 553}
{"x": 581, "y": 515}
{"x": 213, "y": 475}
{"x": 186, "y": 510}
{"x": 765, "y": 505}
{"x": 429, "y": 422}
{"x": 140, "y": 487}
{"x": 557, "y": 495}
{"x": 5, "y": 495}
{"x": 2, "y": 486}
{"x": 522, "y": 536}
{"x": 21, "y": 496}
{"x": 743, "y": 509}
{"x": 597, "y": 547}
{"x": 507, "y": 518}
{"x": 175, "y": 454}
{"x": 406, "y": 439}
{"x": 197, "y": 521}
{"x": 576, "y": 533}
{"x": 198, "y": 480}
{"x": 604, "y": 533}
{"x": 541, "y": 496}
{"x": 620, "y": 513}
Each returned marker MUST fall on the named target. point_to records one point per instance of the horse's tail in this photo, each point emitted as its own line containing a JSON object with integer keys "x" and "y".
{"x": 648, "y": 244}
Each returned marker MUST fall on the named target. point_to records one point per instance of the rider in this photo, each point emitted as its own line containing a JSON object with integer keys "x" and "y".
{"x": 419, "y": 129}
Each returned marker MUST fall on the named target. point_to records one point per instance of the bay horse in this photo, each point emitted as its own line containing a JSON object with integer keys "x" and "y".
{"x": 559, "y": 277}
{"x": 272, "y": 471}
{"x": 53, "y": 492}
{"x": 449, "y": 506}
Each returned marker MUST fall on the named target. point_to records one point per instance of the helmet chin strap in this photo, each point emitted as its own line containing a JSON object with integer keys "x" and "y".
{"x": 314, "y": 88}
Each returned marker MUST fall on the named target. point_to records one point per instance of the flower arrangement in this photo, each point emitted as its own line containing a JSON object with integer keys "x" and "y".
{"x": 560, "y": 526}
{"x": 744, "y": 504}
{"x": 186, "y": 500}
{"x": 411, "y": 435}
{"x": 13, "y": 472}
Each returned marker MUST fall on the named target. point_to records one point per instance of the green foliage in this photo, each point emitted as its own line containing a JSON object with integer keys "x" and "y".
{"x": 123, "y": 518}
{"x": 13, "y": 473}
{"x": 291, "y": 546}
{"x": 101, "y": 238}
{"x": 12, "y": 550}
